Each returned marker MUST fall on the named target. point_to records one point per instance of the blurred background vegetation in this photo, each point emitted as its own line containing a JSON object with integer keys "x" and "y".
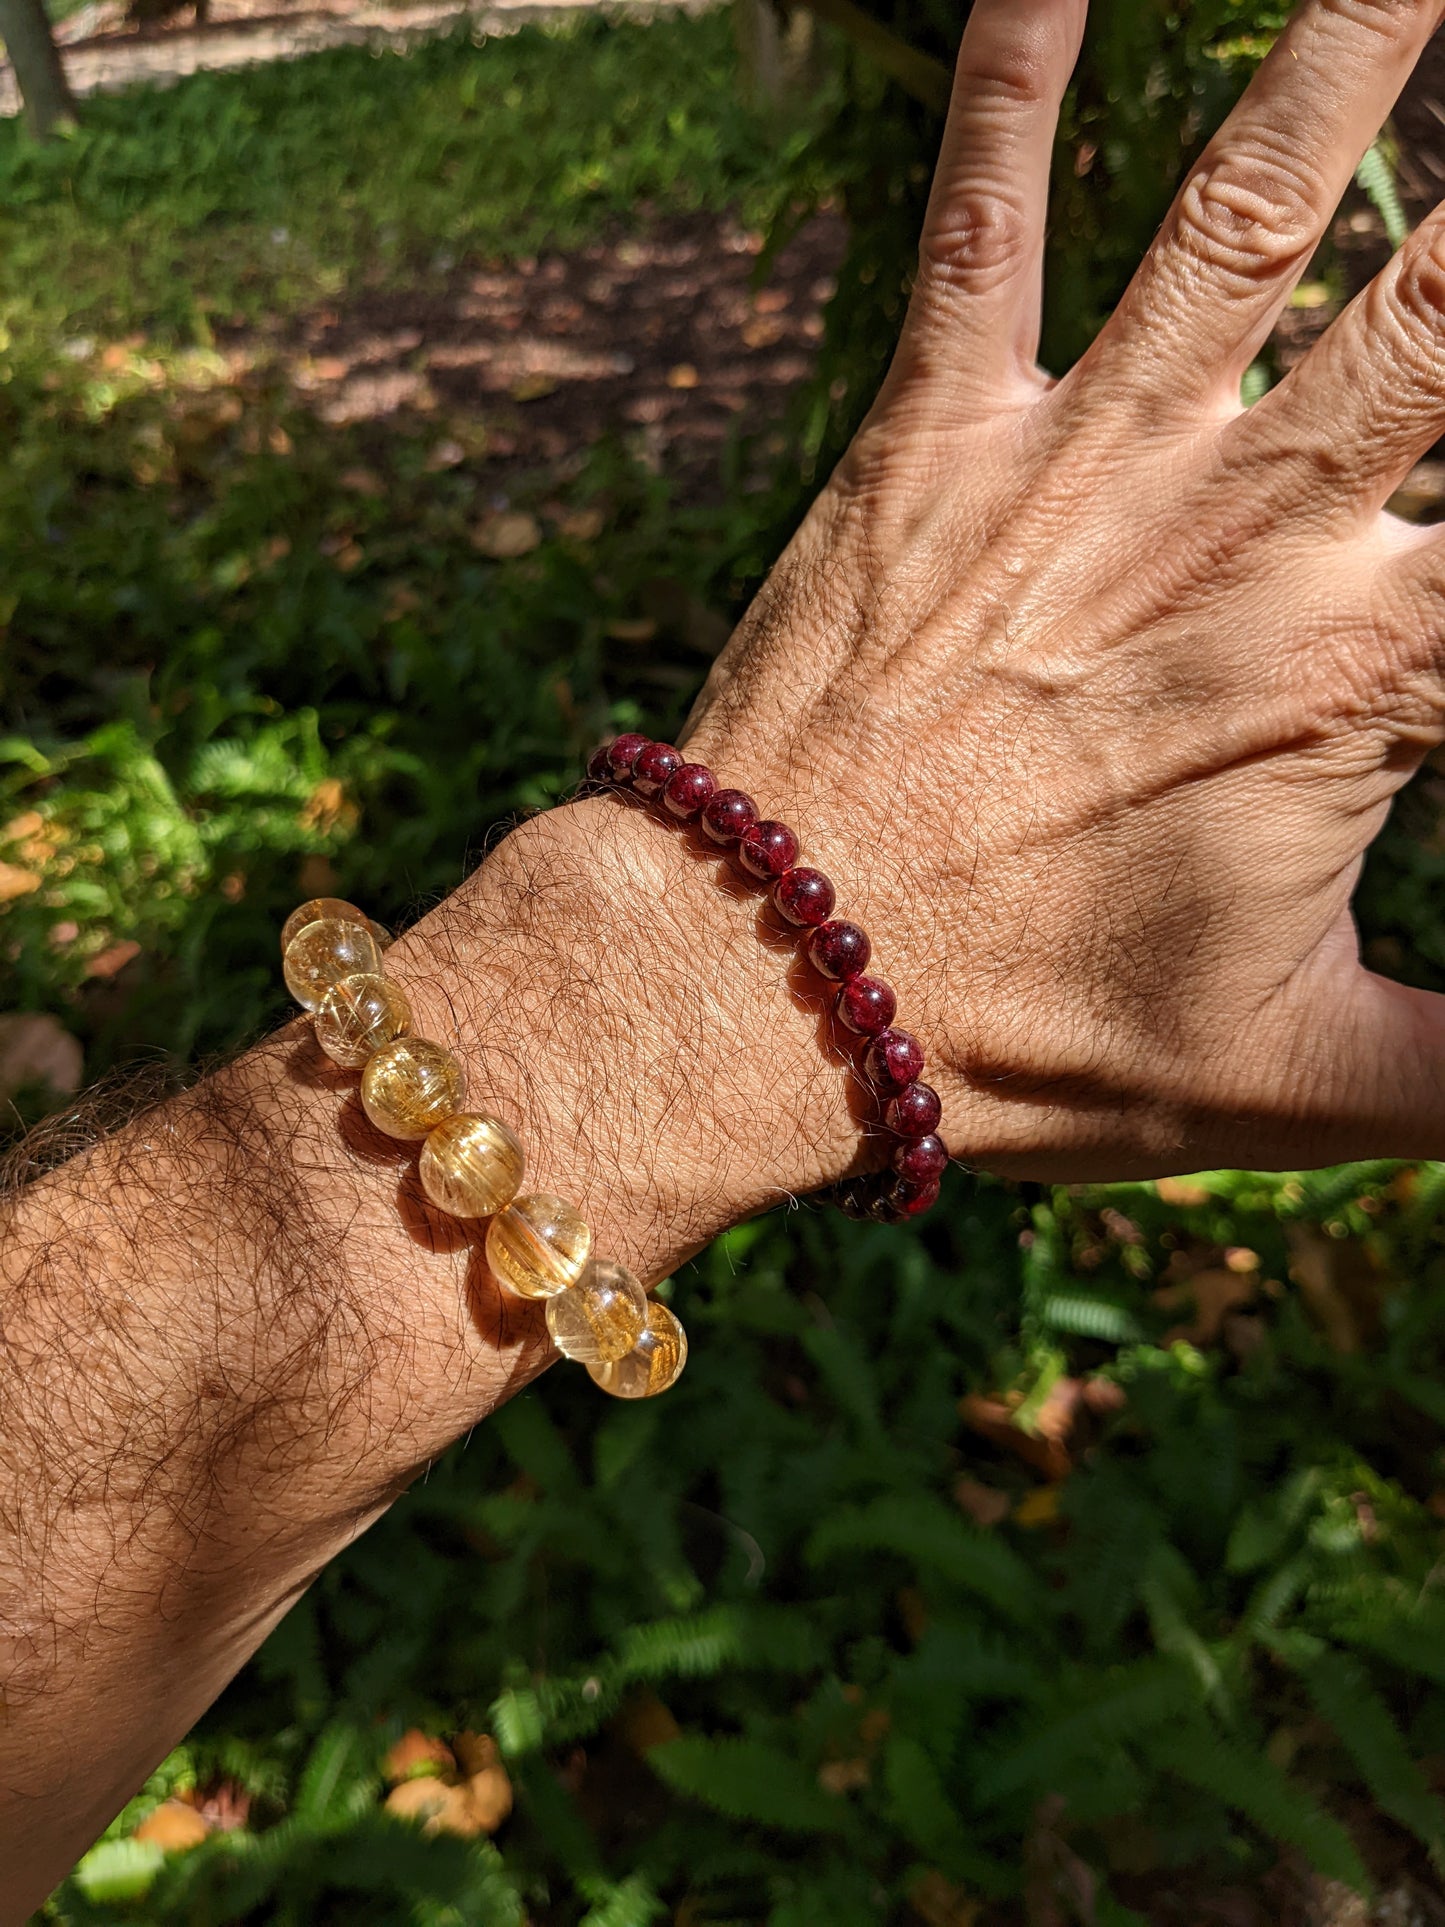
{"x": 381, "y": 429}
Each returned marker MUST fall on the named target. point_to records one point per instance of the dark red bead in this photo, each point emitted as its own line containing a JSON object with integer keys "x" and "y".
{"x": 653, "y": 767}
{"x": 688, "y": 789}
{"x": 728, "y": 815}
{"x": 804, "y": 896}
{"x": 893, "y": 1060}
{"x": 767, "y": 850}
{"x": 914, "y": 1112}
{"x": 867, "y": 1005}
{"x": 911, "y": 1200}
{"x": 623, "y": 752}
{"x": 599, "y": 763}
{"x": 921, "y": 1160}
{"x": 839, "y": 950}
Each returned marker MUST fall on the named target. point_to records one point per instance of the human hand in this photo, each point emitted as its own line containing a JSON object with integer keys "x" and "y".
{"x": 1090, "y": 695}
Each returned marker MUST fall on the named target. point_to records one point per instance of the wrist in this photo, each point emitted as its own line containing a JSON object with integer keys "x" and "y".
{"x": 637, "y": 1020}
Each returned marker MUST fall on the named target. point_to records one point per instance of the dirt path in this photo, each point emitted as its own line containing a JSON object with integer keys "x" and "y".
{"x": 102, "y": 53}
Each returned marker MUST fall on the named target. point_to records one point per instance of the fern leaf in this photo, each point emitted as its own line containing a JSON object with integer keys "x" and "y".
{"x": 1085, "y": 1317}
{"x": 627, "y": 1903}
{"x": 337, "y": 1783}
{"x": 517, "y": 1720}
{"x": 1343, "y": 1695}
{"x": 932, "y": 1535}
{"x": 922, "y": 1810}
{"x": 748, "y": 1780}
{"x": 1411, "y": 1648}
{"x": 1376, "y": 176}
{"x": 1251, "y": 1786}
{"x": 1136, "y": 1700}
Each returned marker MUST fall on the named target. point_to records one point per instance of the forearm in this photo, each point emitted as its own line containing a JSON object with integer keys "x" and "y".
{"x": 231, "y": 1333}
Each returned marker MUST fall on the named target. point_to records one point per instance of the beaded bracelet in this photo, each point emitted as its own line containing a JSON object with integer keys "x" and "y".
{"x": 471, "y": 1165}
{"x": 838, "y": 950}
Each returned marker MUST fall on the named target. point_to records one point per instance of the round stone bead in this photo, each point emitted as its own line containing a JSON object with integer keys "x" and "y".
{"x": 358, "y": 1015}
{"x": 767, "y": 850}
{"x": 688, "y": 789}
{"x": 839, "y": 949}
{"x": 893, "y": 1060}
{"x": 322, "y": 953}
{"x": 654, "y": 766}
{"x": 384, "y": 937}
{"x": 921, "y": 1159}
{"x": 914, "y": 1112}
{"x": 867, "y": 1005}
{"x": 653, "y": 1365}
{"x": 804, "y": 896}
{"x": 599, "y": 764}
{"x": 623, "y": 752}
{"x": 471, "y": 1166}
{"x": 538, "y": 1246}
{"x": 601, "y": 1317}
{"x": 411, "y": 1086}
{"x": 728, "y": 814}
{"x": 313, "y": 911}
{"x": 911, "y": 1200}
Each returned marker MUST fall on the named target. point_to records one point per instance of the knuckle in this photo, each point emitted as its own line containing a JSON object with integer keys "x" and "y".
{"x": 1251, "y": 212}
{"x": 1409, "y": 305}
{"x": 1011, "y": 74}
{"x": 1390, "y": 18}
{"x": 976, "y": 242}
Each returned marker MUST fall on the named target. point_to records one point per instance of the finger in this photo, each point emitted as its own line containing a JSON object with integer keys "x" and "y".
{"x": 973, "y": 322}
{"x": 1338, "y": 434}
{"x": 1257, "y": 203}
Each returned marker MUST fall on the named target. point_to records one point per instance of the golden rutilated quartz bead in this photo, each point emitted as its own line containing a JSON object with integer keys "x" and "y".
{"x": 538, "y": 1246}
{"x": 601, "y": 1317}
{"x": 411, "y": 1086}
{"x": 653, "y": 1365}
{"x": 358, "y": 1015}
{"x": 314, "y": 910}
{"x": 472, "y": 1166}
{"x": 322, "y": 953}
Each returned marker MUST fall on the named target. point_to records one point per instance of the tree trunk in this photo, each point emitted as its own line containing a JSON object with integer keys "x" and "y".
{"x": 25, "y": 29}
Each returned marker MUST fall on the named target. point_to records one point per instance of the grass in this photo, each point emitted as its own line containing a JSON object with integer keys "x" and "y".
{"x": 1081, "y": 1540}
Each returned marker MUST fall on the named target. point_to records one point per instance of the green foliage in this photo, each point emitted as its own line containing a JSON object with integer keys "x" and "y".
{"x": 748, "y": 1652}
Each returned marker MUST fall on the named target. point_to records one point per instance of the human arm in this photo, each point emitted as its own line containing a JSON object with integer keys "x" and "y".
{"x": 1089, "y": 695}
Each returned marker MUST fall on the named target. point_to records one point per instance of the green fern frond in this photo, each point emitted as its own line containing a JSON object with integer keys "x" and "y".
{"x": 1376, "y": 175}
{"x": 778, "y": 1638}
{"x": 338, "y": 1781}
{"x": 924, "y": 1530}
{"x": 1343, "y": 1695}
{"x": 1135, "y": 1701}
{"x": 1251, "y": 1786}
{"x": 1082, "y": 1317}
{"x": 628, "y": 1903}
{"x": 749, "y": 1780}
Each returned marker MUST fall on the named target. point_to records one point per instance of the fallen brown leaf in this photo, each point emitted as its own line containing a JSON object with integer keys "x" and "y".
{"x": 417, "y": 1754}
{"x": 984, "y": 1504}
{"x": 1213, "y": 1293}
{"x": 173, "y": 1826}
{"x": 506, "y": 535}
{"x": 113, "y": 959}
{"x": 36, "y": 1048}
{"x": 15, "y": 882}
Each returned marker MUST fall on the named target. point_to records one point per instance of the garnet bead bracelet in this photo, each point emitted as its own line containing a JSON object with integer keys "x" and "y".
{"x": 838, "y": 950}
{"x": 471, "y": 1165}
